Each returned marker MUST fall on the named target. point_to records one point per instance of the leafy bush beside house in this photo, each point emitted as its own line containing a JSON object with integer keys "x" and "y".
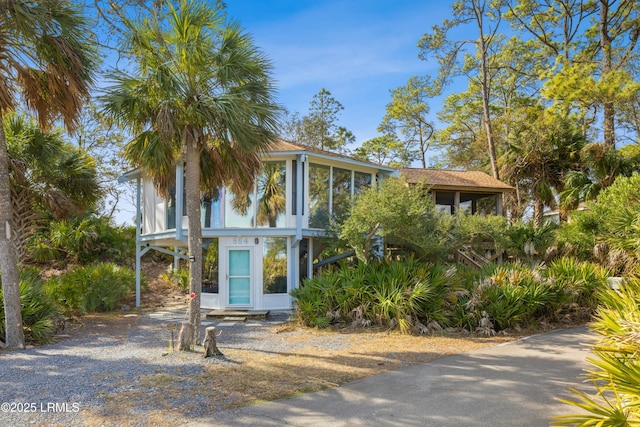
{"x": 417, "y": 296}
{"x": 403, "y": 216}
{"x": 403, "y": 293}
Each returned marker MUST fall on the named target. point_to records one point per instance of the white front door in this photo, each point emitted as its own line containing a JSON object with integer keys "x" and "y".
{"x": 239, "y": 277}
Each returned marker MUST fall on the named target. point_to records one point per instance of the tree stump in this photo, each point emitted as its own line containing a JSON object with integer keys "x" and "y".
{"x": 209, "y": 343}
{"x": 185, "y": 336}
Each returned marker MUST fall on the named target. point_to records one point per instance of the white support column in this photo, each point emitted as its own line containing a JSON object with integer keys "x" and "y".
{"x": 310, "y": 258}
{"x": 138, "y": 254}
{"x": 299, "y": 196}
{"x": 456, "y": 202}
{"x": 499, "y": 204}
{"x": 176, "y": 258}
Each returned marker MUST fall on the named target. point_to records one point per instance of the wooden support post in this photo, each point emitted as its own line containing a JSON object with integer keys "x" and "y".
{"x": 209, "y": 343}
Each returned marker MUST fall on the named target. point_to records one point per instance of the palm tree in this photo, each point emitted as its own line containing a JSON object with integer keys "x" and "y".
{"x": 542, "y": 149}
{"x": 602, "y": 165}
{"x": 46, "y": 61}
{"x": 199, "y": 92}
{"x": 49, "y": 177}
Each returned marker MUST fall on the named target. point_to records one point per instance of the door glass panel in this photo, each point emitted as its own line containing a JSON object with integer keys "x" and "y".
{"x": 240, "y": 277}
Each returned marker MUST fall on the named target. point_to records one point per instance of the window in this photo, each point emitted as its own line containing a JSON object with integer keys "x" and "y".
{"x": 210, "y": 266}
{"x": 318, "y": 196}
{"x": 234, "y": 205}
{"x": 361, "y": 181}
{"x": 341, "y": 192}
{"x": 295, "y": 186}
{"x": 210, "y": 211}
{"x": 271, "y": 201}
{"x": 274, "y": 265}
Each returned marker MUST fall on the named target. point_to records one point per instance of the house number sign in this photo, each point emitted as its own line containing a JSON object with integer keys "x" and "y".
{"x": 241, "y": 241}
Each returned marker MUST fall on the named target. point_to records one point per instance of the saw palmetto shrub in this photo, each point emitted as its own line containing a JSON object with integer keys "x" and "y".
{"x": 580, "y": 280}
{"x": 390, "y": 294}
{"x": 39, "y": 312}
{"x": 615, "y": 363}
{"x": 511, "y": 295}
{"x": 92, "y": 288}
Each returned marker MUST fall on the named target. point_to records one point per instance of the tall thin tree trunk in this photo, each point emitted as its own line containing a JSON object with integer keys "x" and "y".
{"x": 8, "y": 259}
{"x": 608, "y": 121}
{"x": 485, "y": 90}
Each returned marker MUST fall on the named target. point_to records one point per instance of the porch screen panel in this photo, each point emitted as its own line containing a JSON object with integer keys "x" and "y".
{"x": 318, "y": 196}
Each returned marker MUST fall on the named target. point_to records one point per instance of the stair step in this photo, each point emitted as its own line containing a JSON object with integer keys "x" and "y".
{"x": 238, "y": 315}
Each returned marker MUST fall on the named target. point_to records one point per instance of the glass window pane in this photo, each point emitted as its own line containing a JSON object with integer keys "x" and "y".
{"x": 239, "y": 290}
{"x": 239, "y": 263}
{"x": 272, "y": 201}
{"x": 294, "y": 187}
{"x": 210, "y": 266}
{"x": 274, "y": 265}
{"x": 171, "y": 208}
{"x": 361, "y": 182}
{"x": 341, "y": 192}
{"x": 318, "y": 196}
{"x": 233, "y": 218}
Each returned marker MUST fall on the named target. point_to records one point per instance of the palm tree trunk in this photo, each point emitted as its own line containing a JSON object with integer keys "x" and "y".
{"x": 538, "y": 213}
{"x": 8, "y": 259}
{"x": 194, "y": 239}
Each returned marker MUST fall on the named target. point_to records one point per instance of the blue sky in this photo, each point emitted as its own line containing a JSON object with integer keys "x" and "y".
{"x": 358, "y": 50}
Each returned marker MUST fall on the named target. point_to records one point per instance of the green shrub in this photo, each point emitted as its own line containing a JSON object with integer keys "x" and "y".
{"x": 580, "y": 280}
{"x": 514, "y": 295}
{"x": 404, "y": 216}
{"x": 92, "y": 288}
{"x": 490, "y": 231}
{"x": 612, "y": 219}
{"x": 390, "y": 293}
{"x": 179, "y": 277}
{"x": 84, "y": 240}
{"x": 39, "y": 312}
{"x": 616, "y": 363}
{"x": 523, "y": 234}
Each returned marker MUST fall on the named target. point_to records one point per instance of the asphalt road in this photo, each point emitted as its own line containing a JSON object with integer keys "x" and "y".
{"x": 512, "y": 384}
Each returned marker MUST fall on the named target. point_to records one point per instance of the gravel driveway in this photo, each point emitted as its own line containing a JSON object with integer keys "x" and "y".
{"x": 63, "y": 383}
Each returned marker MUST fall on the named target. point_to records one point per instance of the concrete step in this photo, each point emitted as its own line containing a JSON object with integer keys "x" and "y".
{"x": 238, "y": 314}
